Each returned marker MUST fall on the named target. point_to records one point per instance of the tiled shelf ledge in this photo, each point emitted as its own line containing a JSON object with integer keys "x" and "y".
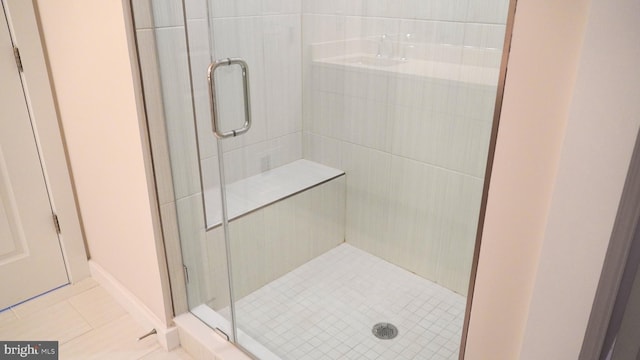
{"x": 479, "y": 75}
{"x": 469, "y": 64}
{"x": 255, "y": 192}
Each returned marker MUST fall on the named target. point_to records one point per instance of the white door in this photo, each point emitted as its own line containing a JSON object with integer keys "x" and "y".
{"x": 31, "y": 261}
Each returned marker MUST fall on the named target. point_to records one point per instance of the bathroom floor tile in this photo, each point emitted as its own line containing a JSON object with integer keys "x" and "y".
{"x": 97, "y": 306}
{"x": 54, "y": 297}
{"x": 115, "y": 340}
{"x": 88, "y": 324}
{"x": 59, "y": 322}
{"x": 160, "y": 354}
{"x": 6, "y": 316}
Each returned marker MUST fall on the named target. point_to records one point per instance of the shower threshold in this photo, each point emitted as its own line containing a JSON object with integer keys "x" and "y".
{"x": 325, "y": 309}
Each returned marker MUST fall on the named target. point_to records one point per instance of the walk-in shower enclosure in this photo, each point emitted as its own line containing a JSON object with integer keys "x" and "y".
{"x": 333, "y": 215}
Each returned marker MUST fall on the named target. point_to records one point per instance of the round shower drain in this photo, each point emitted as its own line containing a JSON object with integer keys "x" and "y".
{"x": 384, "y": 331}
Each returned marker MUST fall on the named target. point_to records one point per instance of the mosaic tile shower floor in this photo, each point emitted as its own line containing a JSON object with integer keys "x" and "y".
{"x": 326, "y": 308}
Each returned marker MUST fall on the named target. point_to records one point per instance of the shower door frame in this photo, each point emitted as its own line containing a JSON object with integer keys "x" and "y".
{"x": 511, "y": 14}
{"x": 483, "y": 205}
{"x": 176, "y": 267}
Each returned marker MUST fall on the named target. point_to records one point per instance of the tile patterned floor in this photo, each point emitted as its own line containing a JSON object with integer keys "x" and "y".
{"x": 88, "y": 324}
{"x": 326, "y": 309}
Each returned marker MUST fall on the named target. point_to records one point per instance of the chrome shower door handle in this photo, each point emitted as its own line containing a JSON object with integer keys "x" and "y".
{"x": 213, "y": 102}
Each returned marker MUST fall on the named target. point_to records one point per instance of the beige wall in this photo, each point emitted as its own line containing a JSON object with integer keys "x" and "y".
{"x": 603, "y": 123}
{"x": 87, "y": 47}
{"x": 547, "y": 231}
{"x": 545, "y": 50}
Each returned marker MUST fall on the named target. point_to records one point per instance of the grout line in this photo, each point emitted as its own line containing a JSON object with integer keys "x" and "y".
{"x": 151, "y": 350}
{"x": 67, "y": 287}
{"x": 92, "y": 330}
{"x": 329, "y": 266}
{"x": 79, "y": 312}
{"x": 386, "y": 153}
{"x": 32, "y": 298}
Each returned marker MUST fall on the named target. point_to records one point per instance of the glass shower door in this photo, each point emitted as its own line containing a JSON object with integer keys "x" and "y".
{"x": 352, "y": 192}
{"x": 280, "y": 210}
{"x": 351, "y": 146}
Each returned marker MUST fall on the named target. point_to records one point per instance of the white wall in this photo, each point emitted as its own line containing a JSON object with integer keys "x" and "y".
{"x": 538, "y": 91}
{"x": 603, "y": 124}
{"x": 90, "y": 66}
{"x": 414, "y": 145}
{"x": 546, "y": 232}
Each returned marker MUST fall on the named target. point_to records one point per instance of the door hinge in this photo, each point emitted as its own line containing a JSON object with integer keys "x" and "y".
{"x": 186, "y": 273}
{"x": 16, "y": 54}
{"x": 56, "y": 223}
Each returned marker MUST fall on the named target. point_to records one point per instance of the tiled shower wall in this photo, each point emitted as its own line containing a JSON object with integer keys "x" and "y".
{"x": 413, "y": 147}
{"x": 267, "y": 35}
{"x": 402, "y": 202}
{"x": 160, "y": 33}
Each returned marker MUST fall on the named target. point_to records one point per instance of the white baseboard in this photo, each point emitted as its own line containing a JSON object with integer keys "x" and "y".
{"x": 167, "y": 336}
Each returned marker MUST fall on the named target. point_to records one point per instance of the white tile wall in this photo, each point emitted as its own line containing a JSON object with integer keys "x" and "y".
{"x": 265, "y": 42}
{"x": 435, "y": 213}
{"x": 271, "y": 40}
{"x": 173, "y": 249}
{"x": 455, "y": 10}
{"x": 369, "y": 124}
{"x": 196, "y": 9}
{"x": 450, "y": 33}
{"x": 283, "y": 83}
{"x": 255, "y": 192}
{"x": 306, "y": 225}
{"x": 178, "y": 109}
{"x": 200, "y": 287}
{"x": 368, "y": 194}
{"x": 276, "y": 239}
{"x": 404, "y": 140}
{"x": 142, "y": 14}
{"x": 241, "y": 37}
{"x": 167, "y": 13}
{"x": 256, "y": 158}
{"x": 325, "y": 150}
{"x": 200, "y": 58}
{"x": 493, "y": 11}
{"x": 480, "y": 11}
{"x": 275, "y": 138}
{"x": 443, "y": 123}
{"x": 484, "y": 35}
{"x": 154, "y": 107}
{"x": 449, "y": 141}
{"x": 225, "y": 8}
{"x": 217, "y": 270}
{"x": 358, "y": 27}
